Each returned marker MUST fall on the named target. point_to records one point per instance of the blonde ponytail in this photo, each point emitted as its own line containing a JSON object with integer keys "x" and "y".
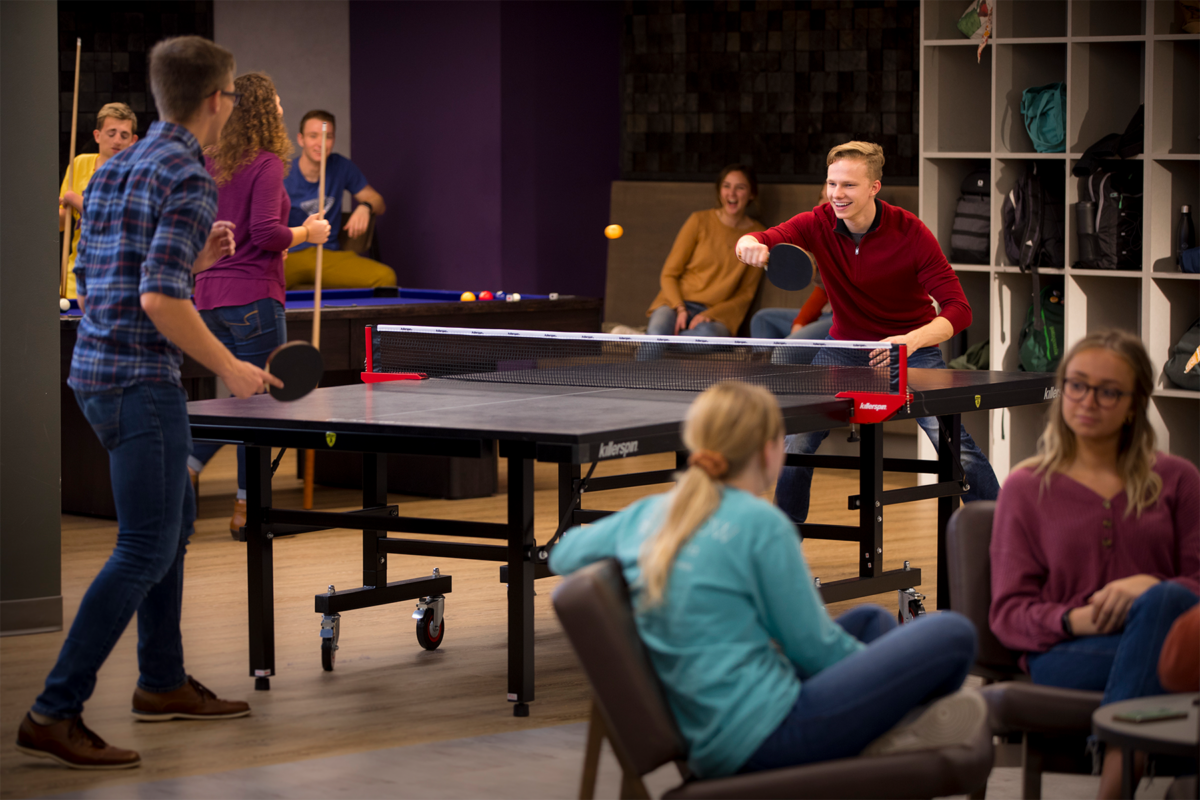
{"x": 726, "y": 428}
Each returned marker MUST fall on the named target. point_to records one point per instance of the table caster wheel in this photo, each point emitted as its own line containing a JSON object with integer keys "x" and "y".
{"x": 431, "y": 624}
{"x": 911, "y": 605}
{"x": 331, "y": 629}
{"x": 521, "y": 710}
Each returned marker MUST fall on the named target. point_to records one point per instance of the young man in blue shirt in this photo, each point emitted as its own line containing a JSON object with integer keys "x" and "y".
{"x": 340, "y": 269}
{"x": 148, "y": 228}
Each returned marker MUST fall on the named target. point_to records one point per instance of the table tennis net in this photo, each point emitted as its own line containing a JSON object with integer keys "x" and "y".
{"x": 672, "y": 363}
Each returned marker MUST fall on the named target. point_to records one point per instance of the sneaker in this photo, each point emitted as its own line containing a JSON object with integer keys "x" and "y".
{"x": 953, "y": 719}
{"x": 72, "y": 744}
{"x": 238, "y": 520}
{"x": 190, "y": 701}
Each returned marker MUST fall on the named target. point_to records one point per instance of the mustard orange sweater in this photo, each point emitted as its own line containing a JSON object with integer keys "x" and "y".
{"x": 702, "y": 268}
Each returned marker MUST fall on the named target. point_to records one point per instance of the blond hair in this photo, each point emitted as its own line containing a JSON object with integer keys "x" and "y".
{"x": 732, "y": 421}
{"x": 184, "y": 70}
{"x": 869, "y": 152}
{"x": 118, "y": 111}
{"x": 255, "y": 125}
{"x": 1136, "y": 451}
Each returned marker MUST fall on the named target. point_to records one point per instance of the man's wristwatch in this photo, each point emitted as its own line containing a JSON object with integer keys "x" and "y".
{"x": 1066, "y": 624}
{"x": 367, "y": 204}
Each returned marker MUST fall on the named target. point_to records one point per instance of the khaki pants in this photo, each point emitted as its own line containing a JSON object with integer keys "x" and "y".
{"x": 340, "y": 269}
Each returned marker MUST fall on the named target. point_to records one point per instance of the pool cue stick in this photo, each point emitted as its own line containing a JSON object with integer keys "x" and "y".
{"x": 66, "y": 247}
{"x": 309, "y": 456}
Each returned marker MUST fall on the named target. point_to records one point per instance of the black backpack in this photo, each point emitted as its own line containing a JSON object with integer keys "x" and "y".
{"x": 1182, "y": 352}
{"x": 1033, "y": 232}
{"x": 1110, "y": 228}
{"x": 972, "y": 229}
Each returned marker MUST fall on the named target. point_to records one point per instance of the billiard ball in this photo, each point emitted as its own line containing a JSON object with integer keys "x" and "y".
{"x": 485, "y": 295}
{"x": 64, "y": 304}
{"x": 514, "y": 297}
{"x": 501, "y": 296}
{"x": 614, "y": 231}
{"x": 467, "y": 297}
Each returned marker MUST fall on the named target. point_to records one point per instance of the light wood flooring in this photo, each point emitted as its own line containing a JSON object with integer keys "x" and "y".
{"x": 386, "y": 691}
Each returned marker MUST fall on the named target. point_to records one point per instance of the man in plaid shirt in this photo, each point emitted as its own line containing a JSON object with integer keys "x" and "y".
{"x": 148, "y": 229}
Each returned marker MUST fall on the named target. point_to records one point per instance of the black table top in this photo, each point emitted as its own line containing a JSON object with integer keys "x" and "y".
{"x": 554, "y": 415}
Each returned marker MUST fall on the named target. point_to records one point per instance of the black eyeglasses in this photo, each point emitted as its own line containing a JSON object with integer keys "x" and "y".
{"x": 236, "y": 97}
{"x": 1106, "y": 396}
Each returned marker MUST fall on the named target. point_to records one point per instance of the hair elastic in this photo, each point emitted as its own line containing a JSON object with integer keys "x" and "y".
{"x": 713, "y": 463}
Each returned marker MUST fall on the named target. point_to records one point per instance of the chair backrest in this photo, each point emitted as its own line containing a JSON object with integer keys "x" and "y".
{"x": 968, "y": 539}
{"x": 593, "y": 606}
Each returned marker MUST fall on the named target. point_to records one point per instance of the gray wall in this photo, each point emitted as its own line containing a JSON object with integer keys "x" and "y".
{"x": 303, "y": 46}
{"x": 30, "y": 557}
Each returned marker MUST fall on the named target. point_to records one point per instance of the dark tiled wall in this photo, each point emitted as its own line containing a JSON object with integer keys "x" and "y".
{"x": 117, "y": 38}
{"x": 768, "y": 82}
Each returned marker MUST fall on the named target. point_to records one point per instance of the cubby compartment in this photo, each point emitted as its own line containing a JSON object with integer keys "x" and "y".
{"x": 1020, "y": 67}
{"x": 1012, "y": 292}
{"x": 1008, "y": 171}
{"x": 1176, "y": 128}
{"x": 1032, "y": 19}
{"x": 1108, "y": 82}
{"x": 1096, "y": 302}
{"x": 1166, "y": 17}
{"x": 1108, "y": 18}
{"x": 957, "y": 93}
{"x": 1176, "y": 422}
{"x": 941, "y": 185}
{"x": 1174, "y": 307}
{"x": 977, "y": 287}
{"x": 939, "y": 20}
{"x": 1172, "y": 184}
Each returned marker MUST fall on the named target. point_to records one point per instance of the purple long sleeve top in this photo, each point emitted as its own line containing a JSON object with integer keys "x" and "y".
{"x": 255, "y": 201}
{"x": 1053, "y": 547}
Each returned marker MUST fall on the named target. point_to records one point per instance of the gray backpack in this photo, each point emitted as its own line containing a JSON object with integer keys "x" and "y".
{"x": 1181, "y": 352}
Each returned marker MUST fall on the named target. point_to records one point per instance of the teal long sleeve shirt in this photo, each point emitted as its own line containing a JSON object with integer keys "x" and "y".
{"x": 741, "y": 625}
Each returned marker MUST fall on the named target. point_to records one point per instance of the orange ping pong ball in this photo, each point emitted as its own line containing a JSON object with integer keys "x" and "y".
{"x": 467, "y": 297}
{"x": 614, "y": 231}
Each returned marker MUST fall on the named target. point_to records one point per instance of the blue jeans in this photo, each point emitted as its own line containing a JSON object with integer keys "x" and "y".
{"x": 1123, "y": 665}
{"x": 776, "y": 323}
{"x": 844, "y": 708}
{"x": 145, "y": 429}
{"x": 662, "y": 322}
{"x": 250, "y": 332}
{"x": 795, "y": 483}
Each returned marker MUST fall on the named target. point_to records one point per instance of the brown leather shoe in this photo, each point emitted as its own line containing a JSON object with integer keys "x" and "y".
{"x": 190, "y": 701}
{"x": 72, "y": 744}
{"x": 238, "y": 520}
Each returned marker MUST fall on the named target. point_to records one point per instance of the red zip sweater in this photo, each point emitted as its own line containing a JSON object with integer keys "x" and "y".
{"x": 881, "y": 286}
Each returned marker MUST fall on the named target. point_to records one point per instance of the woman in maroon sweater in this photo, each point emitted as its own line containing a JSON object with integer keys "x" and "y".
{"x": 1096, "y": 544}
{"x": 241, "y": 296}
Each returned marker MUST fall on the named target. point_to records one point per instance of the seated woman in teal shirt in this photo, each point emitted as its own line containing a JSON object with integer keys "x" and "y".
{"x": 756, "y": 673}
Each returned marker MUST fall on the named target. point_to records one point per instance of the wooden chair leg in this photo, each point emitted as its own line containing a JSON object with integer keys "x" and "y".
{"x": 591, "y": 754}
{"x": 1031, "y": 771}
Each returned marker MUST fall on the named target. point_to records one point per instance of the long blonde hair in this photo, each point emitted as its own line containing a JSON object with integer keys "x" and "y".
{"x": 254, "y": 125}
{"x": 1057, "y": 446}
{"x": 726, "y": 427}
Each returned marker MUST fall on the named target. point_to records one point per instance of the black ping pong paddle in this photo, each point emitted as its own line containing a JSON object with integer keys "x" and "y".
{"x": 789, "y": 267}
{"x": 298, "y": 365}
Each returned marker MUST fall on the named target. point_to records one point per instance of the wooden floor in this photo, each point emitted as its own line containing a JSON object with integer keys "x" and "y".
{"x": 386, "y": 690}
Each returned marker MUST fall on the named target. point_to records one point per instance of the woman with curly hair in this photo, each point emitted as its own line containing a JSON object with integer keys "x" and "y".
{"x": 1096, "y": 543}
{"x": 241, "y": 296}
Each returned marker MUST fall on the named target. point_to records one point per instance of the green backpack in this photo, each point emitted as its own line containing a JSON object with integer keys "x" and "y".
{"x": 1041, "y": 345}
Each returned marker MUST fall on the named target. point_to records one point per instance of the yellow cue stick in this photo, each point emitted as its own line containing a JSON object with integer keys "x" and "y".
{"x": 66, "y": 246}
{"x": 309, "y": 456}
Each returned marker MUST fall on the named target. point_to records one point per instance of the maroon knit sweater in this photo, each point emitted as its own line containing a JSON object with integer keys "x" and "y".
{"x": 1053, "y": 547}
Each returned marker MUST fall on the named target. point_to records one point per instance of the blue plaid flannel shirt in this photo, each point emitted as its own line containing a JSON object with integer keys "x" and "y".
{"x": 147, "y": 215}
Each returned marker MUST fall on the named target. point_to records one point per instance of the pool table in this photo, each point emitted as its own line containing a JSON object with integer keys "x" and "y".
{"x": 344, "y": 314}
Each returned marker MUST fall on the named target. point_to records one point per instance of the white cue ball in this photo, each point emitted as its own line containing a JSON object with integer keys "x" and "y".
{"x": 64, "y": 304}
{"x": 554, "y": 295}
{"x": 515, "y": 297}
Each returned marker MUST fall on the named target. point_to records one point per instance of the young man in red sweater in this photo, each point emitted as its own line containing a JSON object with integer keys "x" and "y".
{"x": 880, "y": 266}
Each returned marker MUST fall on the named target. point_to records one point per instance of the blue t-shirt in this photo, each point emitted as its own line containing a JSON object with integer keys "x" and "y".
{"x": 740, "y": 627}
{"x": 340, "y": 175}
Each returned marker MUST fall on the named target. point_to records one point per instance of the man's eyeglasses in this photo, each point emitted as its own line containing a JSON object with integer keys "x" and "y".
{"x": 1106, "y": 396}
{"x": 236, "y": 97}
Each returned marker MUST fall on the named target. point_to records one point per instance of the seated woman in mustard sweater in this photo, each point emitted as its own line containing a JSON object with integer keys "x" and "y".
{"x": 706, "y": 291}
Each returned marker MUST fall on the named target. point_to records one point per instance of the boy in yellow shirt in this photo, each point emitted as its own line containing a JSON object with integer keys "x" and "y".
{"x": 115, "y": 126}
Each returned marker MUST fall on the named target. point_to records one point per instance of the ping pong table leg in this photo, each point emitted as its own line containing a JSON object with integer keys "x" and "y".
{"x": 520, "y": 584}
{"x": 870, "y": 509}
{"x": 374, "y": 495}
{"x": 260, "y": 579}
{"x": 949, "y": 430}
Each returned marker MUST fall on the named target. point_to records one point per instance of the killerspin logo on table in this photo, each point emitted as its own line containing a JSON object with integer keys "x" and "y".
{"x": 618, "y": 449}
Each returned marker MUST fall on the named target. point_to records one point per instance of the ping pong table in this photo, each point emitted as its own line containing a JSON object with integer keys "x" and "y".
{"x": 567, "y": 426}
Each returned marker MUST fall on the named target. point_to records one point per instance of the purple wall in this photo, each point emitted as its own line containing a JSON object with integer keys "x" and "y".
{"x": 493, "y": 132}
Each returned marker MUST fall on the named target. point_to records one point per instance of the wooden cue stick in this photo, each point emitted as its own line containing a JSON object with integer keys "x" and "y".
{"x": 67, "y": 232}
{"x": 309, "y": 456}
